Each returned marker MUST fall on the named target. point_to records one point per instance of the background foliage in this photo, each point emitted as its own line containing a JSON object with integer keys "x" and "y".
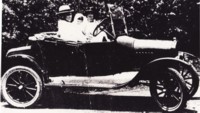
{"x": 153, "y": 19}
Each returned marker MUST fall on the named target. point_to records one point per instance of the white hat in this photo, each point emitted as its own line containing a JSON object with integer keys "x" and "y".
{"x": 65, "y": 9}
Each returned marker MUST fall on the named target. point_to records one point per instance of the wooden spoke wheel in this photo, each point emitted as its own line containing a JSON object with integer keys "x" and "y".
{"x": 191, "y": 79}
{"x": 21, "y": 86}
{"x": 169, "y": 90}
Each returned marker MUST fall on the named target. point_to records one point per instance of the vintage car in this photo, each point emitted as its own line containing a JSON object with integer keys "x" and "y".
{"x": 48, "y": 61}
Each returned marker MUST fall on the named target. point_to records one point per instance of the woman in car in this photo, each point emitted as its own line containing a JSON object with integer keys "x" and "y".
{"x": 67, "y": 29}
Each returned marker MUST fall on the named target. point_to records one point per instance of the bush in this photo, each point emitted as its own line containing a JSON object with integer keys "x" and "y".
{"x": 155, "y": 19}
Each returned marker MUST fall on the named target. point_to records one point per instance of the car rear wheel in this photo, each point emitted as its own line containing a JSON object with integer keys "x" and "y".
{"x": 21, "y": 86}
{"x": 169, "y": 90}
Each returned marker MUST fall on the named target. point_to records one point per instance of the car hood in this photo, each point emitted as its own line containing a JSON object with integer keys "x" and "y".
{"x": 146, "y": 43}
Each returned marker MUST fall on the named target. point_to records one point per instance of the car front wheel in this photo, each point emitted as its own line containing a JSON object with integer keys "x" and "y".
{"x": 191, "y": 79}
{"x": 169, "y": 90}
{"x": 21, "y": 86}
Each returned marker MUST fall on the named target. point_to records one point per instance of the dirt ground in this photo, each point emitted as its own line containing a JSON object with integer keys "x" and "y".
{"x": 137, "y": 100}
{"x": 125, "y": 100}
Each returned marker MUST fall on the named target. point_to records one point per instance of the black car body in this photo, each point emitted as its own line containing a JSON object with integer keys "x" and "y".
{"x": 56, "y": 57}
{"x": 47, "y": 57}
{"x": 47, "y": 61}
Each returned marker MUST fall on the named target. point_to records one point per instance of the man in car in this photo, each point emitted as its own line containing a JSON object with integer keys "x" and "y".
{"x": 90, "y": 25}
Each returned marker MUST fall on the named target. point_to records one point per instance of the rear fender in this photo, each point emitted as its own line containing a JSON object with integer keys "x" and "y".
{"x": 26, "y": 60}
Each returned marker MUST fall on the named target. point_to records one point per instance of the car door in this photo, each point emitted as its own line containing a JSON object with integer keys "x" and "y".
{"x": 98, "y": 57}
{"x": 63, "y": 58}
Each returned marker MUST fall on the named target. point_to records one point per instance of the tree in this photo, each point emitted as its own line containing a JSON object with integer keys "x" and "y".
{"x": 157, "y": 19}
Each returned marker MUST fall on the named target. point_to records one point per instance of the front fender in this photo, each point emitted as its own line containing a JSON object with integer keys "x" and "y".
{"x": 162, "y": 63}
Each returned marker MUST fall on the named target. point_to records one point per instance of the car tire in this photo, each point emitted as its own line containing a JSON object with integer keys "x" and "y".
{"x": 169, "y": 91}
{"x": 21, "y": 86}
{"x": 191, "y": 79}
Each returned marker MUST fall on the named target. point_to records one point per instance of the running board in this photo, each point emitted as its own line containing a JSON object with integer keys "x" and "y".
{"x": 104, "y": 82}
{"x": 103, "y": 86}
{"x": 82, "y": 82}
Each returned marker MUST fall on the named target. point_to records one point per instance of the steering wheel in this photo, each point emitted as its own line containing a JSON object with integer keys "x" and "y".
{"x": 99, "y": 27}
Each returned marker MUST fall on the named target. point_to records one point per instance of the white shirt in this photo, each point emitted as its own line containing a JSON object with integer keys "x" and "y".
{"x": 70, "y": 32}
{"x": 89, "y": 28}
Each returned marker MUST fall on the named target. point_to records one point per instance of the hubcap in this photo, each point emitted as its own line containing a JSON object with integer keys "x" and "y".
{"x": 20, "y": 87}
